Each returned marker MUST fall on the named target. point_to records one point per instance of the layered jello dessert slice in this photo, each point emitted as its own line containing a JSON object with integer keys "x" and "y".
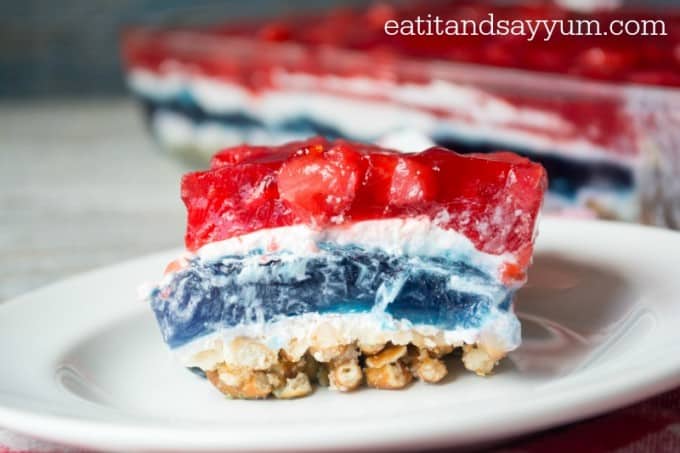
{"x": 596, "y": 111}
{"x": 342, "y": 263}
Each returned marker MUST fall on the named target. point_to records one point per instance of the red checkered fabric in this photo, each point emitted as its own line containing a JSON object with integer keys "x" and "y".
{"x": 650, "y": 426}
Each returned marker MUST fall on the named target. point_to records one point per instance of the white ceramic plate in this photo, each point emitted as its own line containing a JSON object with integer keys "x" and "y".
{"x": 83, "y": 362}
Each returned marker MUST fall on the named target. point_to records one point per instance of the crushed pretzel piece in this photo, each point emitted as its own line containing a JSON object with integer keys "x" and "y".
{"x": 370, "y": 349}
{"x": 386, "y": 356}
{"x": 476, "y": 359}
{"x": 429, "y": 369}
{"x": 294, "y": 387}
{"x": 239, "y": 383}
{"x": 345, "y": 376}
{"x": 391, "y": 376}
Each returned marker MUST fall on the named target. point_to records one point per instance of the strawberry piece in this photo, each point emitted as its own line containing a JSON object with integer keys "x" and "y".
{"x": 374, "y": 192}
{"x": 232, "y": 200}
{"x": 319, "y": 184}
{"x": 412, "y": 182}
{"x": 601, "y": 63}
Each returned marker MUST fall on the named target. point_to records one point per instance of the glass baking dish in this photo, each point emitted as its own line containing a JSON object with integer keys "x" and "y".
{"x": 612, "y": 150}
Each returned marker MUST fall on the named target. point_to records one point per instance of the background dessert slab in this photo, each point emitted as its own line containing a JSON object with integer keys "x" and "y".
{"x": 605, "y": 143}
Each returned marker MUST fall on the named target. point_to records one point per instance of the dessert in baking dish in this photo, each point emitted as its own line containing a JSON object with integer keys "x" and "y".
{"x": 580, "y": 106}
{"x": 344, "y": 263}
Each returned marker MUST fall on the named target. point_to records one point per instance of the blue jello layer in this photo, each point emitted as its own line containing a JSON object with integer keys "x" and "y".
{"x": 567, "y": 176}
{"x": 446, "y": 292}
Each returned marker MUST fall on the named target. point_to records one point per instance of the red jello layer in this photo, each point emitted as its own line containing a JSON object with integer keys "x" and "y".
{"x": 493, "y": 199}
{"x": 639, "y": 57}
{"x": 644, "y": 55}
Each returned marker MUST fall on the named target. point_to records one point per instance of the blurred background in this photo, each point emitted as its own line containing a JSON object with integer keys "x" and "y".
{"x": 71, "y": 47}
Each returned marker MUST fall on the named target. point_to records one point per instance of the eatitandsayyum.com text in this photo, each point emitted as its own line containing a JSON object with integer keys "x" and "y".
{"x": 433, "y": 25}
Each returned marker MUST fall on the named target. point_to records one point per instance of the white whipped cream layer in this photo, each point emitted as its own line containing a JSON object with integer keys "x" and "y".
{"x": 498, "y": 334}
{"x": 414, "y": 236}
{"x": 343, "y": 103}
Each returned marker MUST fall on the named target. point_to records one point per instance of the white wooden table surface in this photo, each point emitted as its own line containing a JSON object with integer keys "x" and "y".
{"x": 82, "y": 185}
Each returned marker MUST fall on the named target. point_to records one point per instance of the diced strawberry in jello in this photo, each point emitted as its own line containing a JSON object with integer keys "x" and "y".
{"x": 229, "y": 201}
{"x": 493, "y": 199}
{"x": 412, "y": 183}
{"x": 321, "y": 183}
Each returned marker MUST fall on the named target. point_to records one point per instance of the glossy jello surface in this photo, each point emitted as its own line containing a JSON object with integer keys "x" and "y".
{"x": 492, "y": 199}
